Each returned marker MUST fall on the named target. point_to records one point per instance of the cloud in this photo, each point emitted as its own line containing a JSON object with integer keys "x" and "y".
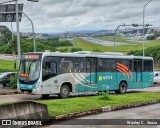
{"x": 64, "y": 15}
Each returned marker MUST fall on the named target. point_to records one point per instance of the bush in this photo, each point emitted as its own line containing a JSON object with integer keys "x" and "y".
{"x": 13, "y": 82}
{"x": 151, "y": 37}
{"x": 104, "y": 95}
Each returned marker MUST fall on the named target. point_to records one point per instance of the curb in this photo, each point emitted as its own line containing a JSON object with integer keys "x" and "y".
{"x": 8, "y": 93}
{"x": 103, "y": 109}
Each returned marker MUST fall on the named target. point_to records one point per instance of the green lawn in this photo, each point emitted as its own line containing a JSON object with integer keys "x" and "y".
{"x": 88, "y": 46}
{"x": 65, "y": 106}
{"x": 4, "y": 103}
{"x": 7, "y": 66}
{"x": 65, "y": 47}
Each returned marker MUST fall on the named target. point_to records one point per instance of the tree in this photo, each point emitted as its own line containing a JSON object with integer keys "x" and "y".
{"x": 6, "y": 35}
{"x": 151, "y": 37}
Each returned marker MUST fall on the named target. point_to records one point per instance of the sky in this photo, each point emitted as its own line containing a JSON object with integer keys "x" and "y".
{"x": 52, "y": 16}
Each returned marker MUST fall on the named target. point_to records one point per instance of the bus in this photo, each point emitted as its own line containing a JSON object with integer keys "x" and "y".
{"x": 47, "y": 73}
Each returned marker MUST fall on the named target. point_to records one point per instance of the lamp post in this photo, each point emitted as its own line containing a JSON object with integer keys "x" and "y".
{"x": 18, "y": 36}
{"x": 17, "y": 24}
{"x": 115, "y": 35}
{"x": 134, "y": 25}
{"x": 143, "y": 22}
{"x": 34, "y": 44}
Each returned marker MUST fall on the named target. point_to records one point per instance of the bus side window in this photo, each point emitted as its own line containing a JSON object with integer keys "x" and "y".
{"x": 135, "y": 66}
{"x": 130, "y": 65}
{"x": 46, "y": 68}
{"x": 148, "y": 66}
{"x": 78, "y": 65}
{"x": 139, "y": 66}
{"x": 49, "y": 68}
{"x": 66, "y": 65}
{"x": 53, "y": 67}
{"x": 100, "y": 65}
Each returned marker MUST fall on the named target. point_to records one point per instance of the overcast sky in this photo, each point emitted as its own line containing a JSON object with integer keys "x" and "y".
{"x": 68, "y": 15}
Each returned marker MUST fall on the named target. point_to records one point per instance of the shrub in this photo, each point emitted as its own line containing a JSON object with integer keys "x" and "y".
{"x": 104, "y": 95}
{"x": 13, "y": 82}
{"x": 151, "y": 37}
{"x": 75, "y": 49}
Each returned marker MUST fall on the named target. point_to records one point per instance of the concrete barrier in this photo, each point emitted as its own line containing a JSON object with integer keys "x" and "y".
{"x": 24, "y": 110}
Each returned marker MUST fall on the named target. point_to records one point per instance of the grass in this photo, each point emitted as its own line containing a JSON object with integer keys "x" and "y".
{"x": 65, "y": 47}
{"x": 121, "y": 39}
{"x": 88, "y": 46}
{"x": 7, "y": 66}
{"x": 4, "y": 103}
{"x": 70, "y": 105}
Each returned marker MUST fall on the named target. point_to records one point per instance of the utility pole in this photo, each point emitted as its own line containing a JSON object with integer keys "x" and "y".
{"x": 34, "y": 43}
{"x": 115, "y": 35}
{"x": 18, "y": 35}
{"x": 143, "y": 22}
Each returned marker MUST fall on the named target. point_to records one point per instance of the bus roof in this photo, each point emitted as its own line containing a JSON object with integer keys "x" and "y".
{"x": 92, "y": 54}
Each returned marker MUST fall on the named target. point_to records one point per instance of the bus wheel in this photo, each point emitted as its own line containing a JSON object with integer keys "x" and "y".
{"x": 45, "y": 96}
{"x": 122, "y": 88}
{"x": 64, "y": 92}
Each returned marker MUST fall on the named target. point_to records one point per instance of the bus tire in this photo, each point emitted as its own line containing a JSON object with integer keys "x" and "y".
{"x": 64, "y": 91}
{"x": 45, "y": 96}
{"x": 122, "y": 88}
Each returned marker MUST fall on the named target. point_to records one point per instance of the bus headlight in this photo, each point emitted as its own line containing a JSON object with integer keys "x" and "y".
{"x": 37, "y": 85}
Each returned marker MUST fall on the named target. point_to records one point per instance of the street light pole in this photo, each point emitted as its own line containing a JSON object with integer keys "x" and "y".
{"x": 134, "y": 25}
{"x": 18, "y": 36}
{"x": 12, "y": 31}
{"x": 34, "y": 44}
{"x": 143, "y": 22}
{"x": 115, "y": 35}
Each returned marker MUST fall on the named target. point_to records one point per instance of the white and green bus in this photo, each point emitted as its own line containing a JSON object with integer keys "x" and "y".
{"x": 62, "y": 73}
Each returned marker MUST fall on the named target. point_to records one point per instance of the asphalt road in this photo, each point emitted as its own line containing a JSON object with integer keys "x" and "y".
{"x": 103, "y": 42}
{"x": 145, "y": 112}
{"x": 18, "y": 97}
{"x": 26, "y": 97}
{"x": 7, "y": 57}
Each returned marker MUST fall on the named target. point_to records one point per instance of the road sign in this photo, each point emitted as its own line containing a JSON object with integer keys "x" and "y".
{"x": 8, "y": 12}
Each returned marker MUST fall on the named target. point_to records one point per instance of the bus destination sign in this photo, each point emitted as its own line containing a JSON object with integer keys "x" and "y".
{"x": 31, "y": 57}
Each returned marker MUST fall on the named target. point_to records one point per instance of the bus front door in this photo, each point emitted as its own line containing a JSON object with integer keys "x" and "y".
{"x": 138, "y": 72}
{"x": 91, "y": 70}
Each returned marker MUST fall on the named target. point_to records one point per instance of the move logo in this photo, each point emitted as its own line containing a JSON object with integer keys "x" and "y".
{"x": 124, "y": 70}
{"x": 105, "y": 78}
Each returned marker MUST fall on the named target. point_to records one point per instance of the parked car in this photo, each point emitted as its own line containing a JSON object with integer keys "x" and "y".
{"x": 5, "y": 78}
{"x": 156, "y": 77}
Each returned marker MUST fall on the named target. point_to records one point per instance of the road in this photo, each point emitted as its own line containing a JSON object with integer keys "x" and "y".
{"x": 26, "y": 97}
{"x": 18, "y": 97}
{"x": 145, "y": 112}
{"x": 7, "y": 57}
{"x": 136, "y": 39}
{"x": 103, "y": 42}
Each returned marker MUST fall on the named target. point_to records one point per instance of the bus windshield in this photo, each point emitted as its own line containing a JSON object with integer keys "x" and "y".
{"x": 29, "y": 70}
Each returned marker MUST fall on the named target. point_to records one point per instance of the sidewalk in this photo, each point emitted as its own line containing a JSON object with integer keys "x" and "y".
{"x": 8, "y": 91}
